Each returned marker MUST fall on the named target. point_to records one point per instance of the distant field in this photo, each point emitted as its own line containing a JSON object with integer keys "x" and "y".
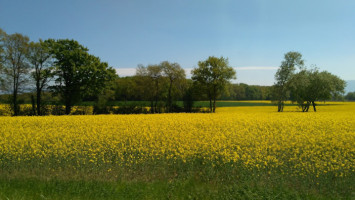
{"x": 246, "y": 152}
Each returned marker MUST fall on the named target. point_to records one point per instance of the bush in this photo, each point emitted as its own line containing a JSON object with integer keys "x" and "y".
{"x": 26, "y": 110}
{"x": 82, "y": 110}
{"x": 57, "y": 110}
{"x": 177, "y": 109}
{"x": 5, "y": 110}
{"x": 130, "y": 109}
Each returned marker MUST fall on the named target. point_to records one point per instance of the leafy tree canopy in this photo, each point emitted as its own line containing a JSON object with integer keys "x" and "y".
{"x": 212, "y": 75}
{"x": 77, "y": 72}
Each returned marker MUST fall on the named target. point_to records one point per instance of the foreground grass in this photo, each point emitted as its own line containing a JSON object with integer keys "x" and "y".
{"x": 189, "y": 188}
{"x": 161, "y": 180}
{"x": 183, "y": 189}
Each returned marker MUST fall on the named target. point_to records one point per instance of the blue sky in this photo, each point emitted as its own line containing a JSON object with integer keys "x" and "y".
{"x": 253, "y": 34}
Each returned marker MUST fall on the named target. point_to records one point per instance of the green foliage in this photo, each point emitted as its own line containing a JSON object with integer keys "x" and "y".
{"x": 283, "y": 75}
{"x": 246, "y": 92}
{"x": 212, "y": 76}
{"x": 164, "y": 82}
{"x": 350, "y": 96}
{"x": 15, "y": 69}
{"x": 126, "y": 89}
{"x": 151, "y": 82}
{"x": 308, "y": 86}
{"x": 176, "y": 79}
{"x": 78, "y": 73}
{"x": 188, "y": 100}
{"x": 40, "y": 59}
{"x": 133, "y": 89}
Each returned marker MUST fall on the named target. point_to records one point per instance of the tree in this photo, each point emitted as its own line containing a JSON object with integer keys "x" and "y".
{"x": 212, "y": 75}
{"x": 283, "y": 75}
{"x": 240, "y": 91}
{"x": 126, "y": 89}
{"x": 188, "y": 96}
{"x": 298, "y": 85}
{"x": 324, "y": 86}
{"x": 350, "y": 96}
{"x": 102, "y": 97}
{"x": 309, "y": 86}
{"x": 77, "y": 72}
{"x": 42, "y": 71}
{"x": 175, "y": 75}
{"x": 253, "y": 92}
{"x": 15, "y": 68}
{"x": 2, "y": 37}
{"x": 151, "y": 79}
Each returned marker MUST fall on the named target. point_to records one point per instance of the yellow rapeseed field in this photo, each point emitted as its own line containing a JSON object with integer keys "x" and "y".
{"x": 255, "y": 138}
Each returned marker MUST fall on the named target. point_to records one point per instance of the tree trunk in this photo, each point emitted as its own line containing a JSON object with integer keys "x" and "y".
{"x": 38, "y": 94}
{"x": 67, "y": 109}
{"x": 152, "y": 106}
{"x": 39, "y": 102}
{"x": 156, "y": 103}
{"x": 314, "y": 106}
{"x": 67, "y": 106}
{"x": 33, "y": 105}
{"x": 169, "y": 97}
{"x": 210, "y": 104}
{"x": 14, "y": 94}
{"x": 304, "y": 107}
{"x": 280, "y": 107}
{"x": 214, "y": 105}
{"x": 156, "y": 106}
{"x": 156, "y": 96}
{"x": 307, "y": 107}
{"x": 14, "y": 102}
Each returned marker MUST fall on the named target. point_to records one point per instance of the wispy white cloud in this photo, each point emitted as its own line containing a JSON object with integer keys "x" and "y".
{"x": 126, "y": 71}
{"x": 256, "y": 68}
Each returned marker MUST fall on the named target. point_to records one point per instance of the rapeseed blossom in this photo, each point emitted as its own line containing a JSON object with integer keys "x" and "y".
{"x": 292, "y": 142}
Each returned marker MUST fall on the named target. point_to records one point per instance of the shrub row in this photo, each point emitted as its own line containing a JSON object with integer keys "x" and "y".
{"x": 27, "y": 110}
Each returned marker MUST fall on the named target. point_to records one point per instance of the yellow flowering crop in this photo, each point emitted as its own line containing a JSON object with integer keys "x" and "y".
{"x": 292, "y": 142}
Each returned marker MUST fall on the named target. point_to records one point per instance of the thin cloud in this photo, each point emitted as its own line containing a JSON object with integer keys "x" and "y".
{"x": 126, "y": 71}
{"x": 256, "y": 68}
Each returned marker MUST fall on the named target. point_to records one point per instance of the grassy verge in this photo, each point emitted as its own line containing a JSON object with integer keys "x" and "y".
{"x": 164, "y": 181}
{"x": 178, "y": 189}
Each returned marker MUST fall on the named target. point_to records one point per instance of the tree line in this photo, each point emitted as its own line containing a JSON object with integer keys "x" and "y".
{"x": 62, "y": 71}
{"x": 61, "y": 66}
{"x": 165, "y": 83}
{"x": 350, "y": 96}
{"x": 128, "y": 89}
{"x": 304, "y": 86}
